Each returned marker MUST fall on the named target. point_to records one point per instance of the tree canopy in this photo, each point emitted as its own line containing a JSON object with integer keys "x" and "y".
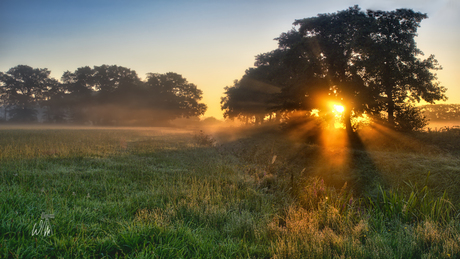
{"x": 103, "y": 95}
{"x": 250, "y": 98}
{"x": 22, "y": 87}
{"x": 366, "y": 61}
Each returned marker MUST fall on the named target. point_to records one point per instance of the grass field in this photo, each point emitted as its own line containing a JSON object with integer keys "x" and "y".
{"x": 162, "y": 193}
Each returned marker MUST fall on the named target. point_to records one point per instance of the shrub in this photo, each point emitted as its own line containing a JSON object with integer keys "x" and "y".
{"x": 410, "y": 118}
{"x": 203, "y": 139}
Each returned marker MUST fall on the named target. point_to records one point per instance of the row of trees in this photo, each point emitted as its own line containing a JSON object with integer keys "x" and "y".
{"x": 102, "y": 95}
{"x": 366, "y": 61}
{"x": 441, "y": 112}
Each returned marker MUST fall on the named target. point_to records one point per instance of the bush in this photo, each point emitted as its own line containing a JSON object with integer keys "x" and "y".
{"x": 203, "y": 139}
{"x": 410, "y": 118}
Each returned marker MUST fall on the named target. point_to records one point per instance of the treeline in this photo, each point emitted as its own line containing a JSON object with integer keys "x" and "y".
{"x": 442, "y": 112}
{"x": 102, "y": 95}
{"x": 366, "y": 61}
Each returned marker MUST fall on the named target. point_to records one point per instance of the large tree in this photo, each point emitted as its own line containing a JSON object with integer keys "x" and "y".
{"x": 172, "y": 95}
{"x": 115, "y": 95}
{"x": 330, "y": 45}
{"x": 100, "y": 95}
{"x": 367, "y": 60}
{"x": 108, "y": 79}
{"x": 251, "y": 98}
{"x": 23, "y": 87}
{"x": 314, "y": 64}
{"x": 79, "y": 87}
{"x": 392, "y": 62}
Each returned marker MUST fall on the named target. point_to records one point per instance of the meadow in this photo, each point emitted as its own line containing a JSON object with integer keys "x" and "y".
{"x": 169, "y": 193}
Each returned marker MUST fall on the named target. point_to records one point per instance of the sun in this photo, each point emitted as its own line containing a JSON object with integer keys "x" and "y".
{"x": 338, "y": 108}
{"x": 337, "y": 111}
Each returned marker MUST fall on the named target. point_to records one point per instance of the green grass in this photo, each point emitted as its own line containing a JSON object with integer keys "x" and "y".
{"x": 153, "y": 193}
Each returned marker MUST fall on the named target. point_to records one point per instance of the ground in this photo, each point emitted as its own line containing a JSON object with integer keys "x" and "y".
{"x": 258, "y": 193}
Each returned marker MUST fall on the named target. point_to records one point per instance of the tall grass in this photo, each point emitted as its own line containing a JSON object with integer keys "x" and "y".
{"x": 419, "y": 205}
{"x": 158, "y": 194}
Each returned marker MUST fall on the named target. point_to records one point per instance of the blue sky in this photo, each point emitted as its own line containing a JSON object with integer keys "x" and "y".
{"x": 211, "y": 43}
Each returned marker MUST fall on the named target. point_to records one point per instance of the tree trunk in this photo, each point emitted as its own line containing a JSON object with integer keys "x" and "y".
{"x": 278, "y": 117}
{"x": 347, "y": 120}
{"x": 389, "y": 92}
{"x": 258, "y": 120}
{"x": 390, "y": 106}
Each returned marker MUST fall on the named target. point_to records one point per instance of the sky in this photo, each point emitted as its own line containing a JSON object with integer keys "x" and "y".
{"x": 209, "y": 42}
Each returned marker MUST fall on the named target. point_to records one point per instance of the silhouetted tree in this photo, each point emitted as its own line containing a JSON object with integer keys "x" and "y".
{"x": 102, "y": 94}
{"x": 114, "y": 88}
{"x": 314, "y": 63}
{"x": 252, "y": 98}
{"x": 367, "y": 61}
{"x": 116, "y": 95}
{"x": 331, "y": 44}
{"x": 109, "y": 79}
{"x": 248, "y": 99}
{"x": 173, "y": 96}
{"x": 79, "y": 87}
{"x": 23, "y": 87}
{"x": 55, "y": 105}
{"x": 3, "y": 98}
{"x": 391, "y": 63}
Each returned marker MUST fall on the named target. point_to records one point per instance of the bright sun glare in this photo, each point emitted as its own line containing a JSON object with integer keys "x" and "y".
{"x": 338, "y": 108}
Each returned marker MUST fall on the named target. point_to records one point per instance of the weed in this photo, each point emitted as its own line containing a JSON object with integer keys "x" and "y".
{"x": 203, "y": 139}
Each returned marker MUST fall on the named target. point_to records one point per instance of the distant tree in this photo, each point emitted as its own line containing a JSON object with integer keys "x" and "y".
{"x": 23, "y": 87}
{"x": 80, "y": 82}
{"x": 109, "y": 79}
{"x": 115, "y": 94}
{"x": 101, "y": 95}
{"x": 79, "y": 88}
{"x": 115, "y": 91}
{"x": 172, "y": 96}
{"x": 3, "y": 98}
{"x": 55, "y": 105}
{"x": 441, "y": 112}
{"x": 211, "y": 121}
